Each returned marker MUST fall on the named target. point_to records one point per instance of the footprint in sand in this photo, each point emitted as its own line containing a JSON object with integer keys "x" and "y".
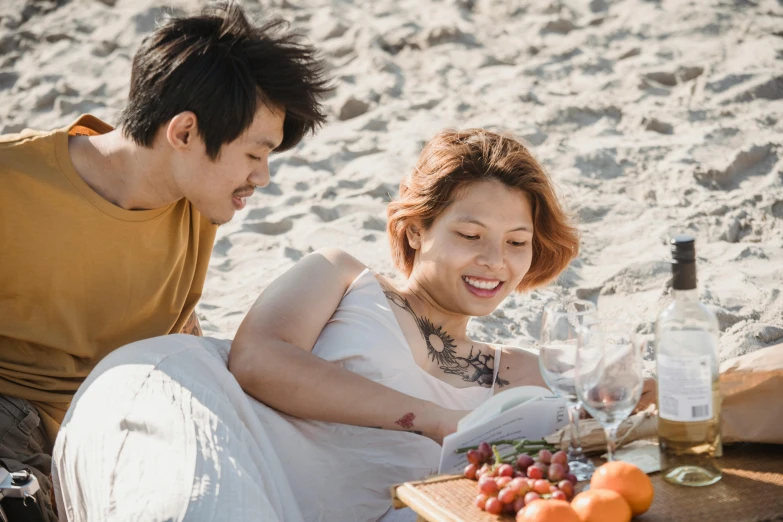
{"x": 756, "y": 160}
{"x": 601, "y": 164}
{"x": 374, "y": 223}
{"x": 292, "y": 253}
{"x": 258, "y": 214}
{"x": 269, "y": 228}
{"x": 222, "y": 246}
{"x": 328, "y": 214}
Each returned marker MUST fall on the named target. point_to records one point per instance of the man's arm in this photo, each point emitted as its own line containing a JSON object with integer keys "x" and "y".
{"x": 192, "y": 326}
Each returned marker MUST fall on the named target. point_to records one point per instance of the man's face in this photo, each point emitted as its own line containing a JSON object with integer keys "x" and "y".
{"x": 221, "y": 187}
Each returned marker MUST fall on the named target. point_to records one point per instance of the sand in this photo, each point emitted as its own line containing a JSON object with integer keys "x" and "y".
{"x": 653, "y": 117}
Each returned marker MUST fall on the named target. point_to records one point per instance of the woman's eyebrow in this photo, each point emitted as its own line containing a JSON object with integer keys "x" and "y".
{"x": 474, "y": 221}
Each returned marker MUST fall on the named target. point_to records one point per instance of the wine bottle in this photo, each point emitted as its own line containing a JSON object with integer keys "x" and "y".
{"x": 686, "y": 338}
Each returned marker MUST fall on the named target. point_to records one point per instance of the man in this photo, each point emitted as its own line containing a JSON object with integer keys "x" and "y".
{"x": 105, "y": 234}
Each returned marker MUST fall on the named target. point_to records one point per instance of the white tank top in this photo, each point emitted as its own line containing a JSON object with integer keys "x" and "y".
{"x": 364, "y": 337}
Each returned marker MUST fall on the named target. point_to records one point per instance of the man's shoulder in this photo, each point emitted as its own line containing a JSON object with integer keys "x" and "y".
{"x": 26, "y": 148}
{"x": 23, "y": 137}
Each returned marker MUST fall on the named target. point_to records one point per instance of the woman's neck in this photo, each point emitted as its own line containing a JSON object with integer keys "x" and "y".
{"x": 425, "y": 305}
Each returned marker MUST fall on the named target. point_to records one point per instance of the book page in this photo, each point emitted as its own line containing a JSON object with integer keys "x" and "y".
{"x": 530, "y": 420}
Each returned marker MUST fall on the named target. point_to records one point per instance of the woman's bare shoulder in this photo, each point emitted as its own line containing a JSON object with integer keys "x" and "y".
{"x": 389, "y": 284}
{"x": 347, "y": 266}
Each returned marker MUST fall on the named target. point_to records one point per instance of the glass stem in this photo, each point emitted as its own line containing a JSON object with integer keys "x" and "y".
{"x": 611, "y": 444}
{"x": 575, "y": 449}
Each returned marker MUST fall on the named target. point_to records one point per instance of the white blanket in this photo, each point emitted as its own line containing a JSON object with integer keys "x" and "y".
{"x": 161, "y": 431}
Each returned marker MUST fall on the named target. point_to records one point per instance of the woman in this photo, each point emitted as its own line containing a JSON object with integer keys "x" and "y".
{"x": 476, "y": 220}
{"x": 344, "y": 382}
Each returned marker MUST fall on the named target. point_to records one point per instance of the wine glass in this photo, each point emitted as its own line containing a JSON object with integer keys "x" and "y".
{"x": 609, "y": 377}
{"x": 560, "y": 327}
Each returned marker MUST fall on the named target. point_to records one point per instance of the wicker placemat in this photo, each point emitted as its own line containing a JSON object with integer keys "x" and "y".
{"x": 751, "y": 491}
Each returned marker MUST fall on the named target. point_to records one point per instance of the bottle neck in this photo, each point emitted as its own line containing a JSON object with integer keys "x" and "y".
{"x": 686, "y": 295}
{"x": 683, "y": 275}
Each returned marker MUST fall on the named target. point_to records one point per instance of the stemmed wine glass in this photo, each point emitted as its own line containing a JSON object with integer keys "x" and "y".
{"x": 560, "y": 326}
{"x": 609, "y": 377}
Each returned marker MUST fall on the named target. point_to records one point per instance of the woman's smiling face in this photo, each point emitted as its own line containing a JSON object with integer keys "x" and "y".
{"x": 477, "y": 250}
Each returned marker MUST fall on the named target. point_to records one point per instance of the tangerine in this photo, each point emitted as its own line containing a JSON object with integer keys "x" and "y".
{"x": 601, "y": 505}
{"x": 547, "y": 511}
{"x": 629, "y": 481}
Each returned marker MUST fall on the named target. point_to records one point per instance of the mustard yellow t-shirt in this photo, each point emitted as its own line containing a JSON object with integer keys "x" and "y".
{"x": 80, "y": 276}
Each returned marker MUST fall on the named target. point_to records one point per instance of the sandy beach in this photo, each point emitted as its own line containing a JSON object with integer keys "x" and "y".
{"x": 653, "y": 117}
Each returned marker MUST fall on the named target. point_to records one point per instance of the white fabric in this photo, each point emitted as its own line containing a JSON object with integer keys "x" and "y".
{"x": 161, "y": 431}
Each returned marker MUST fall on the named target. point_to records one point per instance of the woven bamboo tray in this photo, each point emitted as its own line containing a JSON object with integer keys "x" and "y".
{"x": 751, "y": 491}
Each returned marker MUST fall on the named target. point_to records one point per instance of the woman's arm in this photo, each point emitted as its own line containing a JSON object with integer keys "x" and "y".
{"x": 520, "y": 368}
{"x": 271, "y": 356}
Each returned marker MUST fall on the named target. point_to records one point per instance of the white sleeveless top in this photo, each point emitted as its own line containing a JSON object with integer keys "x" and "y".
{"x": 362, "y": 464}
{"x": 364, "y": 337}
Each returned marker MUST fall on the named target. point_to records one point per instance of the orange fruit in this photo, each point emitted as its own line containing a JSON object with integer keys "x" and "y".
{"x": 543, "y": 510}
{"x": 627, "y": 480}
{"x": 601, "y": 505}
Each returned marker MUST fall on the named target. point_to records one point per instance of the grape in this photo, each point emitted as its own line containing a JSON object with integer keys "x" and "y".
{"x": 560, "y": 457}
{"x": 571, "y": 478}
{"x": 493, "y": 506}
{"x": 566, "y": 487}
{"x": 556, "y": 472}
{"x": 535, "y": 472}
{"x": 524, "y": 461}
{"x": 519, "y": 504}
{"x": 517, "y": 483}
{"x": 507, "y": 495}
{"x": 524, "y": 487}
{"x": 485, "y": 450}
{"x": 488, "y": 485}
{"x": 470, "y": 471}
{"x": 520, "y": 474}
{"x": 567, "y": 468}
{"x": 505, "y": 470}
{"x": 559, "y": 495}
{"x": 545, "y": 456}
{"x": 502, "y": 482}
{"x": 530, "y": 497}
{"x": 540, "y": 465}
{"x": 474, "y": 457}
{"x": 481, "y": 500}
{"x": 541, "y": 487}
{"x": 491, "y": 472}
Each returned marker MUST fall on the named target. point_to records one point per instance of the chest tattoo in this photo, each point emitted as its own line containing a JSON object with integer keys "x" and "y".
{"x": 477, "y": 368}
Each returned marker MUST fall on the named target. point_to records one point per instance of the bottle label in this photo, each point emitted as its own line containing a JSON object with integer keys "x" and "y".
{"x": 684, "y": 388}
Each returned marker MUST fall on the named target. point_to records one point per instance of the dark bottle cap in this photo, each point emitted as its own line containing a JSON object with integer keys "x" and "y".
{"x": 683, "y": 262}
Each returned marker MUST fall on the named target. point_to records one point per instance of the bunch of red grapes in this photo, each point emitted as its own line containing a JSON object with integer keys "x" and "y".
{"x": 506, "y": 487}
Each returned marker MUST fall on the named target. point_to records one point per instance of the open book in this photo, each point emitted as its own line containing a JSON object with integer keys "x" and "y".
{"x": 526, "y": 412}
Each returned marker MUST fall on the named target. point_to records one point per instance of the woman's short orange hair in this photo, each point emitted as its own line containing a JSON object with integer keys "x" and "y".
{"x": 454, "y": 159}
